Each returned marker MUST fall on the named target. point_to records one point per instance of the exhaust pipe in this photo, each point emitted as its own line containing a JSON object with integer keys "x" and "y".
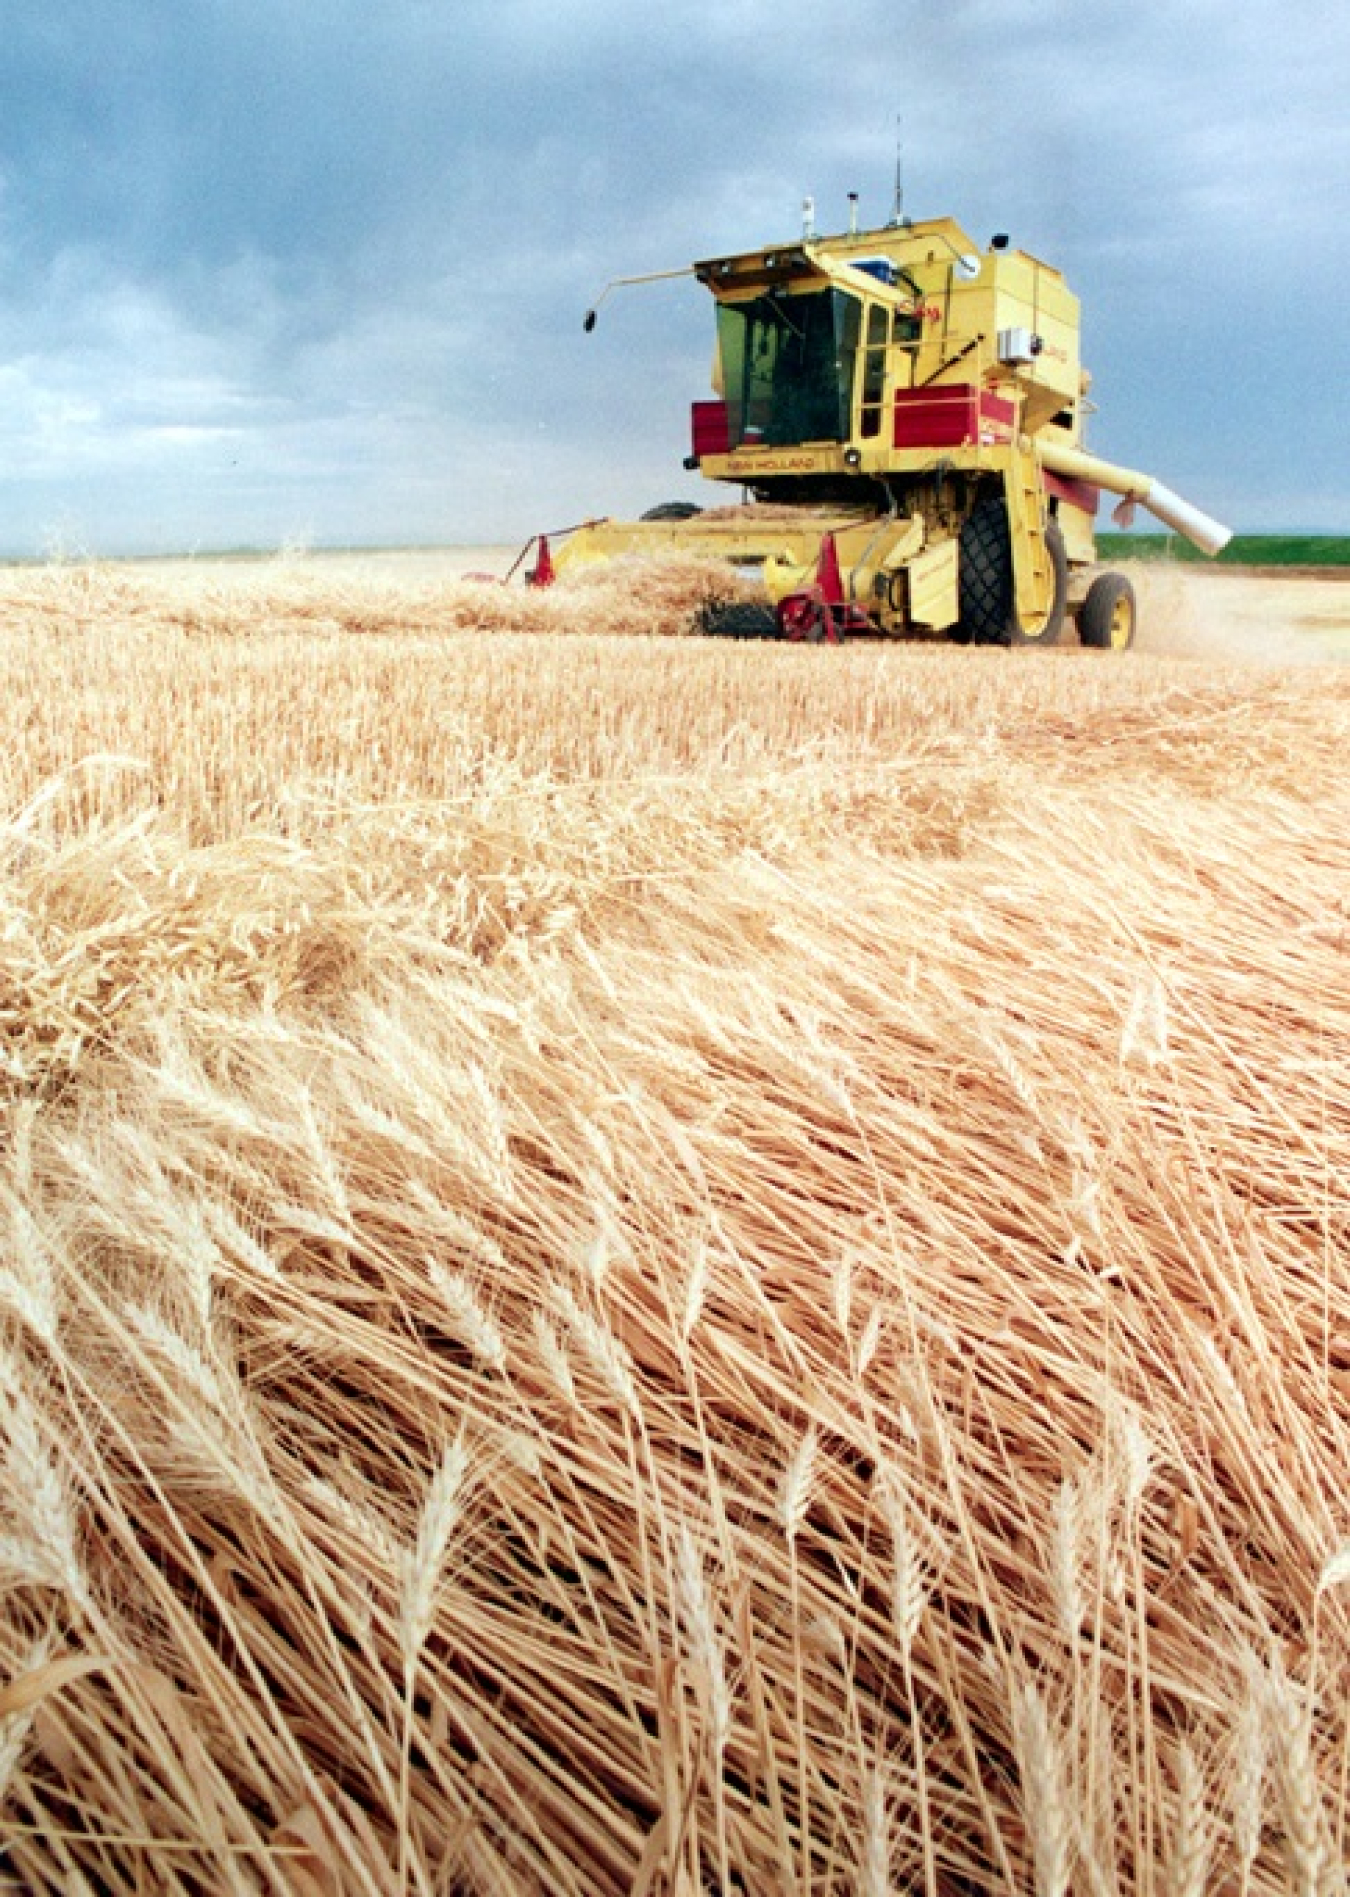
{"x": 1210, "y": 535}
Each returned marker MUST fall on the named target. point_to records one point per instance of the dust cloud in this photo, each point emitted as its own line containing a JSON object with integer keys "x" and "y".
{"x": 1195, "y": 612}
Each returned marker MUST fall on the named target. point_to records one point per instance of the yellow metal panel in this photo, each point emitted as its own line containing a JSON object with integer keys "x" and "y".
{"x": 934, "y": 596}
{"x": 748, "y": 543}
{"x": 909, "y": 539}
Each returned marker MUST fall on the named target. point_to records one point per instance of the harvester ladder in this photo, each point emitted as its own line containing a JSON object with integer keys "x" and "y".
{"x": 1033, "y": 569}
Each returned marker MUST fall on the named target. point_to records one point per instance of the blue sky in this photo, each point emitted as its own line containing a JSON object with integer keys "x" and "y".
{"x": 313, "y": 270}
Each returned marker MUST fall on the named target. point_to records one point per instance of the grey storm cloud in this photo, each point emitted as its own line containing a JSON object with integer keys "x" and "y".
{"x": 317, "y": 267}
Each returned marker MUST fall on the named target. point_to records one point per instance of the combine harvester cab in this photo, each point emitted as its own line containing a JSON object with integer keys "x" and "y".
{"x": 905, "y": 414}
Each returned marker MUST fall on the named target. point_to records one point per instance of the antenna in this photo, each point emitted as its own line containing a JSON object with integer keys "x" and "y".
{"x": 898, "y": 215}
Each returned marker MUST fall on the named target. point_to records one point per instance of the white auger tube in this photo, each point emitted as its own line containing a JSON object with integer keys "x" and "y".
{"x": 1209, "y": 535}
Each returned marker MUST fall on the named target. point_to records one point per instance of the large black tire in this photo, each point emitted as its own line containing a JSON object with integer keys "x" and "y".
{"x": 672, "y": 510}
{"x": 987, "y": 598}
{"x": 1109, "y": 614}
{"x": 740, "y": 619}
{"x": 985, "y": 578}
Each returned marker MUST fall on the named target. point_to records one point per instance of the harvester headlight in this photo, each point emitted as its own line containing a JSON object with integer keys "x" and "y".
{"x": 852, "y": 458}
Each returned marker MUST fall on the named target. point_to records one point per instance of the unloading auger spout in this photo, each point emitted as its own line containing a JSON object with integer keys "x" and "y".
{"x": 1210, "y": 535}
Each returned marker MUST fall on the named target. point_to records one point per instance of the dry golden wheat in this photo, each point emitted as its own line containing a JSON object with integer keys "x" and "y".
{"x": 631, "y": 1265}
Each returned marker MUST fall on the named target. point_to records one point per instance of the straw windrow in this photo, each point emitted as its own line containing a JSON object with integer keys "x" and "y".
{"x": 633, "y": 1265}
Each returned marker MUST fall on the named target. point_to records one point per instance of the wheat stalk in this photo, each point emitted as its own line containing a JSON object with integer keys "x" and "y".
{"x": 467, "y": 1318}
{"x": 1298, "y": 1787}
{"x": 799, "y": 1483}
{"x": 16, "y": 1726}
{"x": 44, "y": 1548}
{"x": 1188, "y": 1859}
{"x": 29, "y": 1286}
{"x": 423, "y": 1563}
{"x": 1044, "y": 1792}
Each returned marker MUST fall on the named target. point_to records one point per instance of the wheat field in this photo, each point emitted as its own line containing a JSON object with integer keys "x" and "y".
{"x": 644, "y": 1265}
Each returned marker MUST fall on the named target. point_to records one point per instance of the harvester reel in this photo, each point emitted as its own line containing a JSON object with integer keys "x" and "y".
{"x": 739, "y": 619}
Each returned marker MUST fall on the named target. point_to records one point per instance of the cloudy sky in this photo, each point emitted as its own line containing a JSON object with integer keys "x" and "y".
{"x": 313, "y": 270}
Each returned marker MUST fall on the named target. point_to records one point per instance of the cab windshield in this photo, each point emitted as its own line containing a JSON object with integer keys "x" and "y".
{"x": 788, "y": 365}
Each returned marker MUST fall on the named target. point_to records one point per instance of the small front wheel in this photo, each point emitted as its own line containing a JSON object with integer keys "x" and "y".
{"x": 1108, "y": 616}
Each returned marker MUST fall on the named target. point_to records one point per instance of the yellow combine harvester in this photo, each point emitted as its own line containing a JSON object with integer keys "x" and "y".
{"x": 905, "y": 415}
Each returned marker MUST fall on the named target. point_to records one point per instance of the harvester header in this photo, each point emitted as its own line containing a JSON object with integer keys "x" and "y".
{"x": 905, "y": 415}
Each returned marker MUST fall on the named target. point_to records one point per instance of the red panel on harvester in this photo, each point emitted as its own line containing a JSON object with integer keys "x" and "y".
{"x": 1076, "y": 493}
{"x": 953, "y": 415}
{"x": 997, "y": 414}
{"x": 936, "y": 418}
{"x": 711, "y": 428}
